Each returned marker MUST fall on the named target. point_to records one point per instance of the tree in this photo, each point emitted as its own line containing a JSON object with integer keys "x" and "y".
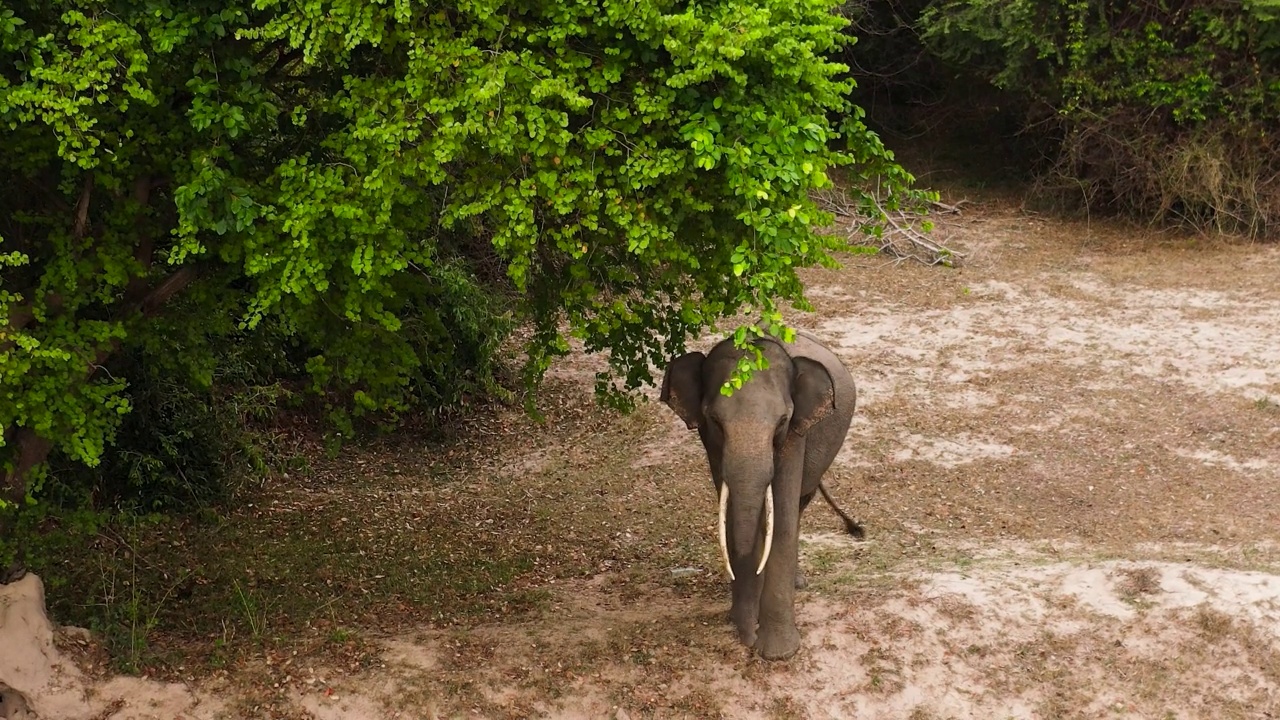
{"x": 1165, "y": 111}
{"x": 344, "y": 171}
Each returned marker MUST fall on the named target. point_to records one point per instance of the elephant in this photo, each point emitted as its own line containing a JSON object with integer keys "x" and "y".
{"x": 768, "y": 446}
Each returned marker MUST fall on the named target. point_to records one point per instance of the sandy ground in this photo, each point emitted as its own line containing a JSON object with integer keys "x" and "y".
{"x": 1067, "y": 456}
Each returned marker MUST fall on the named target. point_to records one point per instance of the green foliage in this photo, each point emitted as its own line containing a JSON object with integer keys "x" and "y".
{"x": 1189, "y": 63}
{"x": 201, "y": 422}
{"x": 342, "y": 173}
{"x": 1163, "y": 110}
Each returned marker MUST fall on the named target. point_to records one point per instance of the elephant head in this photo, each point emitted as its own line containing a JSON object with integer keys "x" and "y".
{"x": 763, "y": 461}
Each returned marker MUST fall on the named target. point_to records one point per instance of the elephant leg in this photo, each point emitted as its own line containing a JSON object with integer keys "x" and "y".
{"x": 777, "y": 637}
{"x": 801, "y": 581}
{"x": 805, "y": 500}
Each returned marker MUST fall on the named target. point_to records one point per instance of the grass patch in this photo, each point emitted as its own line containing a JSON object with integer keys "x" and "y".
{"x": 270, "y": 577}
{"x": 1136, "y": 585}
{"x": 1214, "y": 626}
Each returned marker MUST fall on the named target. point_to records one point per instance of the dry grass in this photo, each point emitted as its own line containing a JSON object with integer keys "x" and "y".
{"x": 1138, "y": 583}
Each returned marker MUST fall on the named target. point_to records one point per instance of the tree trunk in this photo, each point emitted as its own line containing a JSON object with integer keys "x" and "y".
{"x": 31, "y": 450}
{"x": 21, "y": 315}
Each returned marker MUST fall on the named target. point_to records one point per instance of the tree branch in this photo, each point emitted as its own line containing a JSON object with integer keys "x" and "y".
{"x": 143, "y": 252}
{"x": 282, "y": 63}
{"x": 902, "y": 238}
{"x": 175, "y": 283}
{"x": 81, "y": 225}
{"x": 149, "y": 305}
{"x": 32, "y": 449}
{"x": 21, "y": 316}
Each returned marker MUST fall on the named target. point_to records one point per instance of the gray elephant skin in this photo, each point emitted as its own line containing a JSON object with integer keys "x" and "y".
{"x": 768, "y": 446}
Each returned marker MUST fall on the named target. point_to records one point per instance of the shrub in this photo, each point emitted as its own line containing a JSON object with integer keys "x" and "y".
{"x": 347, "y": 172}
{"x": 1166, "y": 111}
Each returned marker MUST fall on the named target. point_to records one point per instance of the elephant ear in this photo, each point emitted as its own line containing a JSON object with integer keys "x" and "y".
{"x": 813, "y": 395}
{"x": 682, "y": 387}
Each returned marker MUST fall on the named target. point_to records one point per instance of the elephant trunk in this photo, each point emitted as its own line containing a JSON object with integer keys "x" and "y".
{"x": 749, "y": 484}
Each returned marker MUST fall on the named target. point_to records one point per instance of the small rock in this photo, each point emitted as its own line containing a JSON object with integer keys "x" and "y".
{"x": 621, "y": 715}
{"x": 681, "y": 572}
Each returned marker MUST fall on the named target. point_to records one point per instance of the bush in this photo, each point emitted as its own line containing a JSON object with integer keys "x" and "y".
{"x": 350, "y": 175}
{"x": 193, "y": 435}
{"x": 1165, "y": 111}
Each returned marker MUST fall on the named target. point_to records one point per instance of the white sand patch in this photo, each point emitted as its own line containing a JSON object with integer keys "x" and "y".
{"x": 1214, "y": 342}
{"x": 949, "y": 452}
{"x": 839, "y": 541}
{"x": 344, "y": 706}
{"x": 829, "y": 291}
{"x": 412, "y": 654}
{"x": 997, "y": 289}
{"x": 972, "y": 629}
{"x": 1220, "y": 459}
{"x": 853, "y": 453}
{"x": 1254, "y": 596}
{"x": 969, "y": 399}
{"x": 970, "y": 643}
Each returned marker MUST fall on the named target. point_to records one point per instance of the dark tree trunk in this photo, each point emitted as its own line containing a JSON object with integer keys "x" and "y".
{"x": 31, "y": 450}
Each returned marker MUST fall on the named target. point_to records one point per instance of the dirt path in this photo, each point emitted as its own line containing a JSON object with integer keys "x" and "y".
{"x": 1067, "y": 455}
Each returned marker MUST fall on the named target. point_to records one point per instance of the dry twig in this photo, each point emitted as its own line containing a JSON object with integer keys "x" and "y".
{"x": 903, "y": 237}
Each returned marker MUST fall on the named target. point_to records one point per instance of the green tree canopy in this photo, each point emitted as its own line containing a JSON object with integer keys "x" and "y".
{"x": 351, "y": 173}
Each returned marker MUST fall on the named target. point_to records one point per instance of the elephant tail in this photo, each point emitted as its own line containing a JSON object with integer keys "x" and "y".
{"x": 852, "y": 526}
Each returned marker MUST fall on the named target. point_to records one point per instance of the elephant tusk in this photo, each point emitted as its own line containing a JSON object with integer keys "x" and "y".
{"x": 768, "y": 530}
{"x": 724, "y": 543}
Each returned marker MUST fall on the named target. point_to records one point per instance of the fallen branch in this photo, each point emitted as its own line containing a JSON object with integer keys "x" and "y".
{"x": 902, "y": 238}
{"x": 934, "y": 253}
{"x": 946, "y": 209}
